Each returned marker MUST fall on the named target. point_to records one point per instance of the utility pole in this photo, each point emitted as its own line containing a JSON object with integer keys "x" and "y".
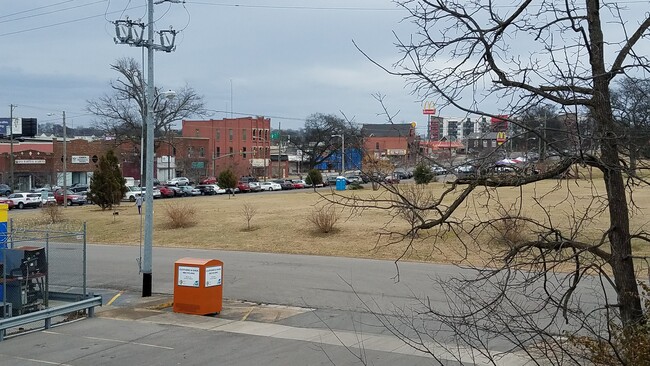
{"x": 11, "y": 146}
{"x": 279, "y": 149}
{"x": 65, "y": 167}
{"x": 131, "y": 33}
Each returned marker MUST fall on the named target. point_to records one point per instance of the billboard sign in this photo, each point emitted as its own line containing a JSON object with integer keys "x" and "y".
{"x": 5, "y": 127}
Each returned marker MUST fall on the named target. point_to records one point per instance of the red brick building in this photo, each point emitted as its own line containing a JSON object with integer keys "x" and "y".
{"x": 241, "y": 144}
{"x": 394, "y": 142}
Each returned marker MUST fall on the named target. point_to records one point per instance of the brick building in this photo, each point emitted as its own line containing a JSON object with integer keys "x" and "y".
{"x": 241, "y": 144}
{"x": 395, "y": 142}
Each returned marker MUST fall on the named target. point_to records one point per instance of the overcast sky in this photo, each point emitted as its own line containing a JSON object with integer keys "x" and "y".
{"x": 284, "y": 58}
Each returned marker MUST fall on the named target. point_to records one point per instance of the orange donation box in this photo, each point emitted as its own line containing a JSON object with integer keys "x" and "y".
{"x": 198, "y": 286}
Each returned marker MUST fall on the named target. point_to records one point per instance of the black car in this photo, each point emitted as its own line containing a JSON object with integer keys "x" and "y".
{"x": 79, "y": 188}
{"x": 5, "y": 190}
{"x": 206, "y": 189}
{"x": 285, "y": 184}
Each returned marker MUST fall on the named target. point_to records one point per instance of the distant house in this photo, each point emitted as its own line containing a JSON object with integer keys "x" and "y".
{"x": 395, "y": 142}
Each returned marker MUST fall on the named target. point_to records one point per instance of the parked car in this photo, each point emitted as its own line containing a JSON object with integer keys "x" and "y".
{"x": 8, "y": 202}
{"x": 179, "y": 181}
{"x": 5, "y": 190}
{"x": 353, "y": 179}
{"x": 465, "y": 171}
{"x": 177, "y": 191}
{"x": 391, "y": 179}
{"x": 206, "y": 189}
{"x": 166, "y": 192}
{"x": 438, "y": 170}
{"x": 218, "y": 189}
{"x": 189, "y": 190}
{"x": 330, "y": 181}
{"x": 71, "y": 198}
{"x": 22, "y": 200}
{"x": 132, "y": 193}
{"x": 208, "y": 180}
{"x": 255, "y": 186}
{"x": 298, "y": 183}
{"x": 243, "y": 187}
{"x": 79, "y": 188}
{"x": 47, "y": 198}
{"x": 285, "y": 184}
{"x": 270, "y": 186}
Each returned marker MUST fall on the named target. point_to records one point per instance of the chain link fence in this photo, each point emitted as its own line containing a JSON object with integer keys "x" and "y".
{"x": 39, "y": 265}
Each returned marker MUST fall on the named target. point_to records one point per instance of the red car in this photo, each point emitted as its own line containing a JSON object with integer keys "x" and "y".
{"x": 298, "y": 183}
{"x": 10, "y": 204}
{"x": 243, "y": 187}
{"x": 71, "y": 198}
{"x": 166, "y": 192}
{"x": 208, "y": 180}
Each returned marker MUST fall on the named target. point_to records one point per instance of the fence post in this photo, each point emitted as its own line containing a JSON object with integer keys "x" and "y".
{"x": 11, "y": 232}
{"x": 84, "y": 260}
{"x": 46, "y": 300}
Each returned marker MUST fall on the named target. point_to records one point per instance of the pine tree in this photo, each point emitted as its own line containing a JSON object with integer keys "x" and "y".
{"x": 107, "y": 186}
{"x": 227, "y": 180}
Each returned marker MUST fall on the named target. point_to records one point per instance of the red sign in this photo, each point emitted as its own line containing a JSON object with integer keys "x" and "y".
{"x": 429, "y": 108}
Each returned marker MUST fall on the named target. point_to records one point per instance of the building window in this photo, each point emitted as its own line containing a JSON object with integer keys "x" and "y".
{"x": 254, "y": 133}
{"x": 218, "y": 135}
{"x": 376, "y": 145}
{"x": 494, "y": 143}
{"x": 218, "y": 151}
{"x": 243, "y": 152}
{"x": 485, "y": 143}
{"x": 255, "y": 151}
{"x": 266, "y": 135}
{"x": 230, "y": 151}
{"x": 230, "y": 135}
{"x": 201, "y": 152}
{"x": 243, "y": 134}
{"x": 189, "y": 151}
{"x": 196, "y": 133}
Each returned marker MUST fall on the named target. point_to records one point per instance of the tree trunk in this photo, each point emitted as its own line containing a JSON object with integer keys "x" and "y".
{"x": 629, "y": 303}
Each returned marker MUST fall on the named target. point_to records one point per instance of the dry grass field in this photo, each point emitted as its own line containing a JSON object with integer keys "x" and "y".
{"x": 280, "y": 223}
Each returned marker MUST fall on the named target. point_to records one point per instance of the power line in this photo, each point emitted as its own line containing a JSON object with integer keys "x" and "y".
{"x": 297, "y": 7}
{"x": 35, "y": 9}
{"x": 257, "y": 114}
{"x": 50, "y": 12}
{"x": 68, "y": 21}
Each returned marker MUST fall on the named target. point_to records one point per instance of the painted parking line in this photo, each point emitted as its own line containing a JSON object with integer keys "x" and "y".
{"x": 113, "y": 340}
{"x": 34, "y": 360}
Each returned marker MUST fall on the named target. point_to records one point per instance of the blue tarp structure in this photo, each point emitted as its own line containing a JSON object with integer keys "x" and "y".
{"x": 333, "y": 162}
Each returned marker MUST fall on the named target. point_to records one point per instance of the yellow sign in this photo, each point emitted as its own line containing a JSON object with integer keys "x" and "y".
{"x": 429, "y": 107}
{"x": 501, "y": 138}
{"x": 413, "y": 124}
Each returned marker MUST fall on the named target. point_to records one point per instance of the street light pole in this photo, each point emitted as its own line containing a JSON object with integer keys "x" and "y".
{"x": 65, "y": 167}
{"x": 147, "y": 277}
{"x": 11, "y": 146}
{"x": 342, "y": 136}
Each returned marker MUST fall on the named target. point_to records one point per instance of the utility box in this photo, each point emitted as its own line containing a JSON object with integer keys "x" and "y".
{"x": 198, "y": 286}
{"x": 341, "y": 182}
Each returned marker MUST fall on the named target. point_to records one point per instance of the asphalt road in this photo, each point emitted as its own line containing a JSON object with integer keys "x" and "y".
{"x": 296, "y": 280}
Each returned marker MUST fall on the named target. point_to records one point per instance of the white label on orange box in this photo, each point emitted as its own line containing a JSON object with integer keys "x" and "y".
{"x": 188, "y": 276}
{"x": 213, "y": 276}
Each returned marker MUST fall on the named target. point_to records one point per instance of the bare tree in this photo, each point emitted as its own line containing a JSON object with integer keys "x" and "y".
{"x": 529, "y": 293}
{"x": 121, "y": 113}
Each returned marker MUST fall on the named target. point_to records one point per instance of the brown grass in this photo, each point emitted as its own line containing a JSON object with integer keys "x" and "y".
{"x": 281, "y": 221}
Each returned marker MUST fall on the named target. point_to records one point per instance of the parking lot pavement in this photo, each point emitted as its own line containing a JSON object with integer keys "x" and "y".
{"x": 150, "y": 334}
{"x": 144, "y": 331}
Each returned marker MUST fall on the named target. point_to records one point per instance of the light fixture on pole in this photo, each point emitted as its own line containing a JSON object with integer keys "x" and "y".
{"x": 342, "y": 136}
{"x": 64, "y": 159}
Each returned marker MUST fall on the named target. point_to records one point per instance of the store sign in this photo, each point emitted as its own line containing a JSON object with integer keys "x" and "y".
{"x": 80, "y": 159}
{"x": 198, "y": 165}
{"x": 429, "y": 108}
{"x": 30, "y": 161}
